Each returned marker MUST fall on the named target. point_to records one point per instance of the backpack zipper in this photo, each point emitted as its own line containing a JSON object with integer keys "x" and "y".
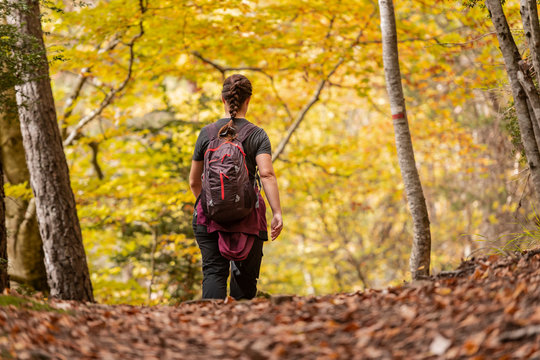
{"x": 221, "y": 175}
{"x": 224, "y": 156}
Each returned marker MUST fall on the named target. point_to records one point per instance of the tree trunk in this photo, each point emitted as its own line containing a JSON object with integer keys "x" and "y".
{"x": 25, "y": 248}
{"x": 534, "y": 122}
{"x": 65, "y": 259}
{"x": 534, "y": 39}
{"x": 4, "y": 280}
{"x": 533, "y": 100}
{"x": 511, "y": 60}
{"x": 532, "y": 31}
{"x": 421, "y": 249}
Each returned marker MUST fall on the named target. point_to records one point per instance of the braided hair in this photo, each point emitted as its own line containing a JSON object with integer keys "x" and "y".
{"x": 236, "y": 89}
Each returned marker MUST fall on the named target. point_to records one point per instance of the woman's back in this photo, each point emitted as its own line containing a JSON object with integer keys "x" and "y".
{"x": 243, "y": 238}
{"x": 255, "y": 144}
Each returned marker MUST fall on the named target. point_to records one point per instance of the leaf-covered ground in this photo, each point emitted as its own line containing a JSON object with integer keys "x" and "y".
{"x": 487, "y": 309}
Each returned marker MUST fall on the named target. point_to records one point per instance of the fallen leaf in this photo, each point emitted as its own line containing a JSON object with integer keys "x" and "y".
{"x": 439, "y": 345}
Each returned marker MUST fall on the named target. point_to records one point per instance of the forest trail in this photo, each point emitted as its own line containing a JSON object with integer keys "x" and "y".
{"x": 489, "y": 308}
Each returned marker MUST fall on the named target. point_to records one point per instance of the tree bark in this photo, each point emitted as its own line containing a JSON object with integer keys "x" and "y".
{"x": 4, "y": 280}
{"x": 421, "y": 250}
{"x": 534, "y": 40}
{"x": 533, "y": 100}
{"x": 511, "y": 60}
{"x": 532, "y": 31}
{"x": 536, "y": 127}
{"x": 24, "y": 246}
{"x": 65, "y": 259}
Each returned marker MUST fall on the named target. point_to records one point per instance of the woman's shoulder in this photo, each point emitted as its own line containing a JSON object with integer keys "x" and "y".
{"x": 244, "y": 122}
{"x": 216, "y": 125}
{"x": 257, "y": 133}
{"x": 258, "y": 139}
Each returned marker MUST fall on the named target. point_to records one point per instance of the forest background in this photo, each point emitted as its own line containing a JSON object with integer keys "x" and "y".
{"x": 134, "y": 81}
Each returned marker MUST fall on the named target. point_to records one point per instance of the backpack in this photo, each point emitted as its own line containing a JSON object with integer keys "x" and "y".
{"x": 227, "y": 194}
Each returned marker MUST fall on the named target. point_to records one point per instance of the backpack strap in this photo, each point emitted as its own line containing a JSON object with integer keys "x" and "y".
{"x": 245, "y": 131}
{"x": 212, "y": 131}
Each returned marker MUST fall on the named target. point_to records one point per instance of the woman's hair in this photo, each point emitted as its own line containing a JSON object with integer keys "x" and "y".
{"x": 236, "y": 89}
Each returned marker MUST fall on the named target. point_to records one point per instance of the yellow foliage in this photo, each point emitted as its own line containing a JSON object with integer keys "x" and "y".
{"x": 346, "y": 220}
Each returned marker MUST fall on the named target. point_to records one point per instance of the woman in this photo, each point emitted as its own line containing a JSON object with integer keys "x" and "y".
{"x": 236, "y": 95}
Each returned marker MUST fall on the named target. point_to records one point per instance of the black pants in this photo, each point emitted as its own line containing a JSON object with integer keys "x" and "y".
{"x": 244, "y": 274}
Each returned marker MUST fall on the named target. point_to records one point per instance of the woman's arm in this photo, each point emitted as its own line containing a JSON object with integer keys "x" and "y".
{"x": 269, "y": 182}
{"x": 195, "y": 182}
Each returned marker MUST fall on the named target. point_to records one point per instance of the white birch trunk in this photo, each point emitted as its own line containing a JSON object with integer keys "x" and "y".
{"x": 421, "y": 249}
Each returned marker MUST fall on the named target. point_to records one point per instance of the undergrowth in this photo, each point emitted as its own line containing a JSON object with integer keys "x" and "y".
{"x": 25, "y": 303}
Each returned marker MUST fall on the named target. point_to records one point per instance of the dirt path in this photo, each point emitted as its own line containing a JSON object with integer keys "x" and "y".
{"x": 488, "y": 309}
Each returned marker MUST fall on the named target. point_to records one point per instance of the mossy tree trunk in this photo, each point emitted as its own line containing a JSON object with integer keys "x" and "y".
{"x": 24, "y": 247}
{"x": 4, "y": 281}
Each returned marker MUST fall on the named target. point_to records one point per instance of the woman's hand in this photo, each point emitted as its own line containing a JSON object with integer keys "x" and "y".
{"x": 276, "y": 226}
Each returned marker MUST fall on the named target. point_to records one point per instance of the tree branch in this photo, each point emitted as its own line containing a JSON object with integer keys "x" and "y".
{"x": 70, "y": 103}
{"x": 315, "y": 98}
{"x": 95, "y": 164}
{"x": 321, "y": 167}
{"x": 436, "y": 40}
{"x": 82, "y": 79}
{"x": 303, "y": 113}
{"x": 89, "y": 81}
{"x": 111, "y": 95}
{"x": 329, "y": 32}
{"x": 223, "y": 70}
{"x": 283, "y": 103}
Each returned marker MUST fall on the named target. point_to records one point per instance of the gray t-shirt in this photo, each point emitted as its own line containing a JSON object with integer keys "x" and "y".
{"x": 255, "y": 144}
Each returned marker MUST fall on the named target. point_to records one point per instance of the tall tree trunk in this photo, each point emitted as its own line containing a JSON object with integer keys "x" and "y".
{"x": 421, "y": 250}
{"x": 534, "y": 38}
{"x": 511, "y": 60}
{"x": 4, "y": 280}
{"x": 65, "y": 259}
{"x": 25, "y": 248}
{"x": 532, "y": 31}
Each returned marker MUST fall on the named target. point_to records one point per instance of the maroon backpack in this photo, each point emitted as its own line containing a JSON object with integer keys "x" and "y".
{"x": 227, "y": 194}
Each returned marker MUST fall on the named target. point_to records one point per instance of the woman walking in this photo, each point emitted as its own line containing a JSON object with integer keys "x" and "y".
{"x": 230, "y": 224}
